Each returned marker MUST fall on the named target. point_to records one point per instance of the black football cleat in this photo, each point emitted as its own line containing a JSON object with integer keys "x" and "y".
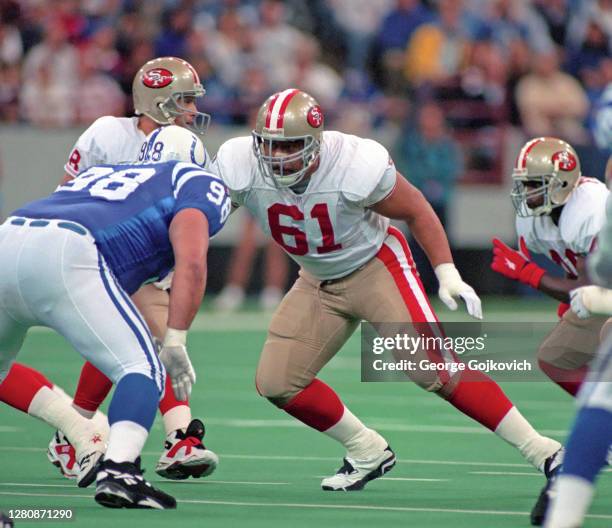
{"x": 121, "y": 485}
{"x": 552, "y": 467}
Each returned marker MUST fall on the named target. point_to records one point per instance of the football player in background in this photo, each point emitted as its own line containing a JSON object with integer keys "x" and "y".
{"x": 559, "y": 213}
{"x": 164, "y": 92}
{"x": 70, "y": 262}
{"x": 591, "y": 436}
{"x": 326, "y": 198}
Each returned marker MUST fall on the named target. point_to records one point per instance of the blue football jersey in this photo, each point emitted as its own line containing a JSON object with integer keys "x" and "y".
{"x": 128, "y": 210}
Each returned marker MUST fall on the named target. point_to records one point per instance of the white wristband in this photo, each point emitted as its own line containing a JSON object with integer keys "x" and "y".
{"x": 175, "y": 337}
{"x": 447, "y": 272}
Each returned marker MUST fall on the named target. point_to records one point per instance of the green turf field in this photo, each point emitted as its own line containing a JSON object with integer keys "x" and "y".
{"x": 451, "y": 472}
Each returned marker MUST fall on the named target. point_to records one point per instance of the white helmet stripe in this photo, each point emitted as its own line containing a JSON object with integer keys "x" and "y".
{"x": 278, "y": 105}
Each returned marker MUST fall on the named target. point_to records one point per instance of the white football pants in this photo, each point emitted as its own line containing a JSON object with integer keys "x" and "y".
{"x": 51, "y": 274}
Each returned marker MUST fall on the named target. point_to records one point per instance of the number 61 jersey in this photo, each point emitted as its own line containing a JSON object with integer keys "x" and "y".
{"x": 327, "y": 229}
{"x": 128, "y": 210}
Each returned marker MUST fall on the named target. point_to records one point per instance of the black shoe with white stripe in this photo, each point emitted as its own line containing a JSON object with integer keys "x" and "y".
{"x": 121, "y": 485}
{"x": 552, "y": 467}
{"x": 355, "y": 474}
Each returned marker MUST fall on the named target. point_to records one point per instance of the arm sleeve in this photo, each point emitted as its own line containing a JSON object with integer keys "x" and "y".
{"x": 203, "y": 191}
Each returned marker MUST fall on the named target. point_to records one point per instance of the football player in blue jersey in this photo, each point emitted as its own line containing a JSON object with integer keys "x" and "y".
{"x": 70, "y": 262}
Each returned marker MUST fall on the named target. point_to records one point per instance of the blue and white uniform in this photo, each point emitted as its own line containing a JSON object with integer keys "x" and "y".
{"x": 71, "y": 260}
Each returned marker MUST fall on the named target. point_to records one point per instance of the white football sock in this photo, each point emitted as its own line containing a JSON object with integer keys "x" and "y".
{"x": 83, "y": 412}
{"x": 518, "y": 432}
{"x": 178, "y": 417}
{"x": 571, "y": 500}
{"x": 125, "y": 441}
{"x": 56, "y": 411}
{"x": 360, "y": 442}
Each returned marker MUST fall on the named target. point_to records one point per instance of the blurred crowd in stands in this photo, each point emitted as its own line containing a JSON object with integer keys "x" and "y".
{"x": 438, "y": 71}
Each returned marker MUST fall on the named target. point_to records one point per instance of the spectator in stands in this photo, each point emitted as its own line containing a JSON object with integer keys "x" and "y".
{"x": 11, "y": 45}
{"x": 438, "y": 50}
{"x": 428, "y": 156}
{"x": 276, "y": 42}
{"x": 313, "y": 76}
{"x": 551, "y": 102}
{"x": 396, "y": 29}
{"x": 101, "y": 94}
{"x": 50, "y": 74}
{"x": 506, "y": 21}
{"x": 555, "y": 14}
{"x": 359, "y": 20}
{"x": 173, "y": 39}
{"x": 10, "y": 88}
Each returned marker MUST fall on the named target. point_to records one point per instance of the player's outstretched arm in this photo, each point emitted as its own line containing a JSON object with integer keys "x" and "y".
{"x": 189, "y": 238}
{"x": 517, "y": 265}
{"x": 407, "y": 203}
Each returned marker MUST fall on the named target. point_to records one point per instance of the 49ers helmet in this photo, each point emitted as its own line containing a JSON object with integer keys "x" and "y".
{"x": 547, "y": 167}
{"x": 159, "y": 87}
{"x": 288, "y": 116}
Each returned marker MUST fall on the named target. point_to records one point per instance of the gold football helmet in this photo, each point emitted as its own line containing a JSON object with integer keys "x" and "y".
{"x": 160, "y": 88}
{"x": 546, "y": 172}
{"x": 288, "y": 130}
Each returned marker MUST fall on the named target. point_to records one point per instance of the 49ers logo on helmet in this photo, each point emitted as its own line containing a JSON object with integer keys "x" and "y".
{"x": 315, "y": 117}
{"x": 565, "y": 160}
{"x": 157, "y": 78}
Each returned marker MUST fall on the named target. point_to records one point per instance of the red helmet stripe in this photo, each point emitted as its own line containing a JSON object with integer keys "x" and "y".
{"x": 278, "y": 105}
{"x": 521, "y": 162}
{"x": 281, "y": 112}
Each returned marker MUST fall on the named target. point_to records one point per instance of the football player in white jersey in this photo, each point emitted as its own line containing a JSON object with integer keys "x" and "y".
{"x": 164, "y": 93}
{"x": 326, "y": 198}
{"x": 559, "y": 214}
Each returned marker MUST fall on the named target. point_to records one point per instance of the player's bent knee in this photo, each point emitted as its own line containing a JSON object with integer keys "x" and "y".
{"x": 277, "y": 391}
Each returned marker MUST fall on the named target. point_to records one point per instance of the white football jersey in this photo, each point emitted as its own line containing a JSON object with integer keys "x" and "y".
{"x": 109, "y": 140}
{"x": 328, "y": 229}
{"x": 581, "y": 220}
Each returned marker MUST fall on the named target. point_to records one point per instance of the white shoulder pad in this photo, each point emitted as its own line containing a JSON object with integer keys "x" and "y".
{"x": 234, "y": 163}
{"x": 96, "y": 145}
{"x": 366, "y": 162}
{"x": 584, "y": 215}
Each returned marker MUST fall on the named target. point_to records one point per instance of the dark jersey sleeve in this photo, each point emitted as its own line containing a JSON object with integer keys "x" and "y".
{"x": 199, "y": 189}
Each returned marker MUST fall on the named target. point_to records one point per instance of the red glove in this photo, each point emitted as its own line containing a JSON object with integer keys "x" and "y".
{"x": 516, "y": 264}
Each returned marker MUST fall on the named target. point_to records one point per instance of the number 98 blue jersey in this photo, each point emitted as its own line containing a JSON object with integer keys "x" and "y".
{"x": 128, "y": 210}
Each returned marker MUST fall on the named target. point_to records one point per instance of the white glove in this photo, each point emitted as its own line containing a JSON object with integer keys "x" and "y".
{"x": 589, "y": 300}
{"x": 451, "y": 285}
{"x": 176, "y": 360}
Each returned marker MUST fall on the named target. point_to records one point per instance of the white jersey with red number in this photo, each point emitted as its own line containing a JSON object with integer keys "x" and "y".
{"x": 581, "y": 220}
{"x": 328, "y": 229}
{"x": 109, "y": 140}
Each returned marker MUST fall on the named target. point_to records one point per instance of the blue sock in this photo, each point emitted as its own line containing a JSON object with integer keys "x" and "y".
{"x": 135, "y": 399}
{"x": 588, "y": 444}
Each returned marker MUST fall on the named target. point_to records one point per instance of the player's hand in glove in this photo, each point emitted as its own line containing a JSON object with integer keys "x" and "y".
{"x": 591, "y": 300}
{"x": 451, "y": 285}
{"x": 176, "y": 360}
{"x": 516, "y": 265}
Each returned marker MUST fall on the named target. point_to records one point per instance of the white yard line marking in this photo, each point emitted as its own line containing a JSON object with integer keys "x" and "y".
{"x": 312, "y": 506}
{"x": 10, "y": 429}
{"x": 207, "y": 481}
{"x": 400, "y": 479}
{"x": 314, "y": 458}
{"x": 522, "y": 474}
